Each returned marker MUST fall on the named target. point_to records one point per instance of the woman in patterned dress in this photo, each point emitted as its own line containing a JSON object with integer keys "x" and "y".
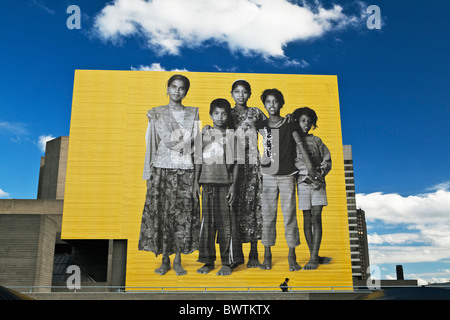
{"x": 171, "y": 215}
{"x": 248, "y": 204}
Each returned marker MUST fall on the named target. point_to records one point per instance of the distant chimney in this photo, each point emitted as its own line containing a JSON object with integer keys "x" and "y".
{"x": 399, "y": 269}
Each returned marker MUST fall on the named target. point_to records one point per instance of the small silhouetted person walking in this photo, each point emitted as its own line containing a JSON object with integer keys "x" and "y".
{"x": 284, "y": 286}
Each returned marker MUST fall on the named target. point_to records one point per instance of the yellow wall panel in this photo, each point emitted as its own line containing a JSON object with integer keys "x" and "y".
{"x": 105, "y": 193}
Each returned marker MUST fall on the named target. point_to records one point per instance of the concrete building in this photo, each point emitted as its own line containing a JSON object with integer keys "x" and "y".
{"x": 359, "y": 249}
{"x": 31, "y": 250}
{"x": 28, "y": 231}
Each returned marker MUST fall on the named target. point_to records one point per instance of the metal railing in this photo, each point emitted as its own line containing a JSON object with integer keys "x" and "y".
{"x": 169, "y": 289}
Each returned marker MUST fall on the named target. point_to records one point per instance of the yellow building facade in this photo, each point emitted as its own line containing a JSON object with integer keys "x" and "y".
{"x": 105, "y": 192}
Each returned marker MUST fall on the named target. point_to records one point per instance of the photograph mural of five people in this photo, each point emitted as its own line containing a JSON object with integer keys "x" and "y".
{"x": 233, "y": 187}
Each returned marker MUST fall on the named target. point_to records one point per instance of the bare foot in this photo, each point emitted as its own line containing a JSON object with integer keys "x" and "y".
{"x": 165, "y": 266}
{"x": 253, "y": 261}
{"x": 267, "y": 263}
{"x": 206, "y": 268}
{"x": 315, "y": 262}
{"x": 179, "y": 271}
{"x": 293, "y": 265}
{"x": 311, "y": 265}
{"x": 225, "y": 271}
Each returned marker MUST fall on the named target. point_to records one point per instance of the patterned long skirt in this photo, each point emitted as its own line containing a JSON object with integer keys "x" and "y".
{"x": 171, "y": 217}
{"x": 248, "y": 204}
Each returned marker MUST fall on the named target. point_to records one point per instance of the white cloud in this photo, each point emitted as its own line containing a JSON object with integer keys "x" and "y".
{"x": 249, "y": 26}
{"x": 228, "y": 69}
{"x": 42, "y": 141}
{"x": 440, "y": 186}
{"x": 439, "y": 276}
{"x": 407, "y": 254}
{"x": 430, "y": 208}
{"x": 394, "y": 238}
{"x": 3, "y": 194}
{"x": 41, "y": 5}
{"x": 16, "y": 131}
{"x": 423, "y": 220}
{"x": 295, "y": 63}
{"x": 14, "y": 128}
{"x": 154, "y": 67}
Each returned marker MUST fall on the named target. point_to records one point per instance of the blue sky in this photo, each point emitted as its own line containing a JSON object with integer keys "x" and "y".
{"x": 393, "y": 84}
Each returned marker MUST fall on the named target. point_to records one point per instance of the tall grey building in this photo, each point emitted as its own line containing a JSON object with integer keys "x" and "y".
{"x": 359, "y": 249}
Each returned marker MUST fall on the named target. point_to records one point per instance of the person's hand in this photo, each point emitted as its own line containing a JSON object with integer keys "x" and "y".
{"x": 317, "y": 181}
{"x": 231, "y": 196}
{"x": 289, "y": 118}
{"x": 206, "y": 129}
{"x": 196, "y": 191}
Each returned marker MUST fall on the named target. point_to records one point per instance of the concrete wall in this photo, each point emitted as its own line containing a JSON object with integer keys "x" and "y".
{"x": 27, "y": 241}
{"x": 45, "y": 251}
{"x": 52, "y": 177}
{"x": 29, "y": 227}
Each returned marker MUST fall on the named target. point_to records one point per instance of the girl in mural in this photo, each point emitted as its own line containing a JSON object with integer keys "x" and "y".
{"x": 246, "y": 121}
{"x": 171, "y": 216}
{"x": 313, "y": 162}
